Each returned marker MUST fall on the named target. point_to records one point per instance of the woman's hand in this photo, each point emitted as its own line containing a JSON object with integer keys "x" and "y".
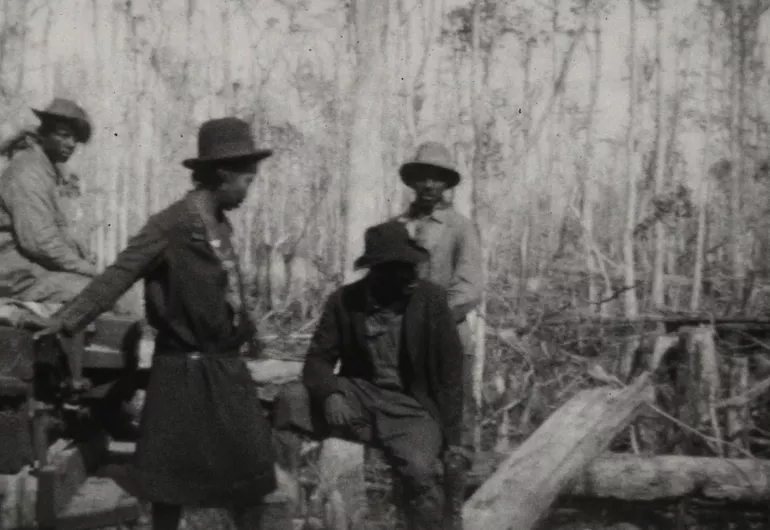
{"x": 51, "y": 326}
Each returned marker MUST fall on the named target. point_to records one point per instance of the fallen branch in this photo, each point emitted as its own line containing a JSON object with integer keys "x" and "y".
{"x": 744, "y": 399}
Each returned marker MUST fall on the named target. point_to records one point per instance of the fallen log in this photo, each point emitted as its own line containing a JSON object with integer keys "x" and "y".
{"x": 662, "y": 478}
{"x": 522, "y": 490}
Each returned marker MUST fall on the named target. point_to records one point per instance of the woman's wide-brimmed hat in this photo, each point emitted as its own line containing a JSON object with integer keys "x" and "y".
{"x": 390, "y": 242}
{"x": 68, "y": 111}
{"x": 225, "y": 139}
{"x": 430, "y": 155}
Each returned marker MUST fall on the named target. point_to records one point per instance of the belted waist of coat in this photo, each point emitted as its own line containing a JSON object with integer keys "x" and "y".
{"x": 197, "y": 355}
{"x": 167, "y": 345}
{"x": 164, "y": 350}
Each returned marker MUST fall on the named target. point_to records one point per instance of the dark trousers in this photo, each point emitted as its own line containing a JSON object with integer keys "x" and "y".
{"x": 394, "y": 422}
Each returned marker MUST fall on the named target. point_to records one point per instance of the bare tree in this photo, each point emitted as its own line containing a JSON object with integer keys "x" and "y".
{"x": 705, "y": 180}
{"x": 658, "y": 280}
{"x": 630, "y": 298}
{"x": 587, "y": 180}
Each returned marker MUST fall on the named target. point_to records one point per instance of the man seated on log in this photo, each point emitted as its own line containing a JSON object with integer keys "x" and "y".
{"x": 40, "y": 260}
{"x": 399, "y": 385}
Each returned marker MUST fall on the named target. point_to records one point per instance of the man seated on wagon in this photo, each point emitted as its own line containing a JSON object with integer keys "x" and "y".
{"x": 399, "y": 385}
{"x": 40, "y": 259}
{"x": 42, "y": 262}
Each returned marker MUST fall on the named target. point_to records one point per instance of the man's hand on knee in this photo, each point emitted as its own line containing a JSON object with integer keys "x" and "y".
{"x": 338, "y": 411}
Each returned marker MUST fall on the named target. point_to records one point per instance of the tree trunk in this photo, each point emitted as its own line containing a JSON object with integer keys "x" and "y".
{"x": 630, "y": 298}
{"x": 589, "y": 186}
{"x": 658, "y": 478}
{"x": 705, "y": 178}
{"x": 736, "y": 148}
{"x": 342, "y": 463}
{"x": 658, "y": 285}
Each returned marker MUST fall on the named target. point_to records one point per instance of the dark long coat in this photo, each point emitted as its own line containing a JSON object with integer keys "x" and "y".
{"x": 205, "y": 439}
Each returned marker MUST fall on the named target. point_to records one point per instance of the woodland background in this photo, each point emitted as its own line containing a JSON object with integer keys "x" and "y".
{"x": 604, "y": 145}
{"x": 614, "y": 152}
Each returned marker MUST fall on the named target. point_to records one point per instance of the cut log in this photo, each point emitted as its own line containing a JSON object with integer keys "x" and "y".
{"x": 341, "y": 469}
{"x": 270, "y": 374}
{"x": 660, "y": 478}
{"x": 522, "y": 490}
{"x": 738, "y": 418}
{"x": 274, "y": 371}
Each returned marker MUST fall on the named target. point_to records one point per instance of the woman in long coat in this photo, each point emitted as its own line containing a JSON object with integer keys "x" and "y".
{"x": 205, "y": 440}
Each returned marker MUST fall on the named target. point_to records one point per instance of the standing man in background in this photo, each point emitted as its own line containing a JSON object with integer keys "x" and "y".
{"x": 455, "y": 263}
{"x": 40, "y": 259}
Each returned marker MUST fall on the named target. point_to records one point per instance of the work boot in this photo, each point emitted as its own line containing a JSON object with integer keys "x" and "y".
{"x": 422, "y": 509}
{"x": 455, "y": 482}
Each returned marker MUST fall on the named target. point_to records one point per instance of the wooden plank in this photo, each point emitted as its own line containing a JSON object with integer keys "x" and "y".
{"x": 522, "y": 490}
{"x": 66, "y": 471}
{"x": 103, "y": 358}
{"x": 110, "y": 330}
{"x": 99, "y": 503}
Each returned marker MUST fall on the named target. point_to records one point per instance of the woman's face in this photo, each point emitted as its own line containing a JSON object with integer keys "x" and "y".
{"x": 235, "y": 179}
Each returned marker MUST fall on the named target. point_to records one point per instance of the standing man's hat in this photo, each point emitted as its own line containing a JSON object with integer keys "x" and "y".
{"x": 430, "y": 154}
{"x": 70, "y": 112}
{"x": 225, "y": 139}
{"x": 389, "y": 242}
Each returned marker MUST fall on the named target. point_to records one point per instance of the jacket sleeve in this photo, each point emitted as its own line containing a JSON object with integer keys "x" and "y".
{"x": 323, "y": 354}
{"x": 466, "y": 285}
{"x": 144, "y": 250}
{"x": 449, "y": 358}
{"x": 32, "y": 208}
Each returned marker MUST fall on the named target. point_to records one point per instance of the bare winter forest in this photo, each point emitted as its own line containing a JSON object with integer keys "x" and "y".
{"x": 615, "y": 153}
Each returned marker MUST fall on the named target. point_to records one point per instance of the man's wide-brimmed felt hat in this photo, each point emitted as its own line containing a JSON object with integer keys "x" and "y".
{"x": 390, "y": 242}
{"x": 430, "y": 155}
{"x": 68, "y": 111}
{"x": 225, "y": 139}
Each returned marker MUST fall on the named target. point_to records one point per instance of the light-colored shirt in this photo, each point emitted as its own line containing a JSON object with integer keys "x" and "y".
{"x": 455, "y": 255}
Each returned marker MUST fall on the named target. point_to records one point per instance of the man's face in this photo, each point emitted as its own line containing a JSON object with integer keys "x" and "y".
{"x": 429, "y": 188}
{"x": 393, "y": 279}
{"x": 236, "y": 178}
{"x": 59, "y": 141}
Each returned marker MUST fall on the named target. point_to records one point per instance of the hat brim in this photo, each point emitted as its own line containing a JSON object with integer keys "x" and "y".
{"x": 260, "y": 154}
{"x": 81, "y": 126}
{"x": 411, "y": 171}
{"x": 412, "y": 257}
